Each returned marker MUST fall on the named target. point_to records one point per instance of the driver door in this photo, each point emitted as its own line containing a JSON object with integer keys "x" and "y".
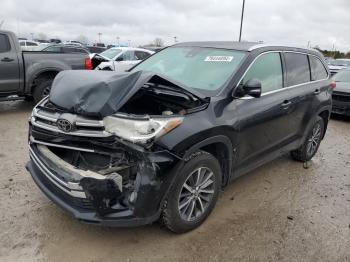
{"x": 263, "y": 126}
{"x": 9, "y": 67}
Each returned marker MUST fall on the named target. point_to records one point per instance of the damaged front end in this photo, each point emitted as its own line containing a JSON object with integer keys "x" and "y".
{"x": 99, "y": 160}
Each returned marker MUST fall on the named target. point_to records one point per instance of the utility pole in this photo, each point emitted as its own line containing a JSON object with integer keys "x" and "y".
{"x": 32, "y": 34}
{"x": 175, "y": 39}
{"x": 118, "y": 40}
{"x": 99, "y": 37}
{"x": 242, "y": 16}
{"x": 1, "y": 23}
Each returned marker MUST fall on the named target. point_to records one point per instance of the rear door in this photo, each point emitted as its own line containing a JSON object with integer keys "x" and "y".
{"x": 264, "y": 127}
{"x": 9, "y": 66}
{"x": 304, "y": 86}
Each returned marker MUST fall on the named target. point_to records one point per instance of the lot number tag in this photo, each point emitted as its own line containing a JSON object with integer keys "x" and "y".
{"x": 218, "y": 59}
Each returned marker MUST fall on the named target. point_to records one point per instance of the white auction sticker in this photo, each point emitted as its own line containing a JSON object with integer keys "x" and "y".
{"x": 218, "y": 59}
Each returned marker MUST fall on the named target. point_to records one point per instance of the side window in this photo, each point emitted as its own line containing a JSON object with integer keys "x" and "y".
{"x": 32, "y": 44}
{"x": 20, "y": 43}
{"x": 4, "y": 43}
{"x": 140, "y": 55}
{"x": 318, "y": 71}
{"x": 55, "y": 49}
{"x": 298, "y": 69}
{"x": 268, "y": 70}
{"x": 126, "y": 56}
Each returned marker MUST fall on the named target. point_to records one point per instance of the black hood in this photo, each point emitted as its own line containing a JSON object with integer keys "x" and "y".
{"x": 101, "y": 93}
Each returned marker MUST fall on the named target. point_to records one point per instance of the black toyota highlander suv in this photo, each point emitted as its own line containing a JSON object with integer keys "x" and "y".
{"x": 160, "y": 141}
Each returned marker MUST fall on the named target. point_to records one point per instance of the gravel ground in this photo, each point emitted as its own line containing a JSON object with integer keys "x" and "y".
{"x": 280, "y": 212}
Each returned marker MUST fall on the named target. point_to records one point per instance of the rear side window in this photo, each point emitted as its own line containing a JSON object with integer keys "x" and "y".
{"x": 298, "y": 69}
{"x": 32, "y": 44}
{"x": 140, "y": 55}
{"x": 4, "y": 43}
{"x": 318, "y": 71}
{"x": 74, "y": 50}
{"x": 268, "y": 70}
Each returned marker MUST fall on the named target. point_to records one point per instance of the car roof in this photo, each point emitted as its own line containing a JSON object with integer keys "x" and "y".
{"x": 245, "y": 46}
{"x": 130, "y": 48}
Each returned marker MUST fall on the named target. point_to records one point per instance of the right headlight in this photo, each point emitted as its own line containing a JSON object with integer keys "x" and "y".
{"x": 140, "y": 130}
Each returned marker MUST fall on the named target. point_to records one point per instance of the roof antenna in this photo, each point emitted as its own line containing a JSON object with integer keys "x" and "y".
{"x": 240, "y": 31}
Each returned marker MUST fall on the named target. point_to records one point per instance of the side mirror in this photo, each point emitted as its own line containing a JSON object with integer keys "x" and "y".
{"x": 252, "y": 88}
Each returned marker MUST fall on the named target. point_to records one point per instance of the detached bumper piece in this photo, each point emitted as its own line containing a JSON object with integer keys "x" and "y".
{"x": 341, "y": 103}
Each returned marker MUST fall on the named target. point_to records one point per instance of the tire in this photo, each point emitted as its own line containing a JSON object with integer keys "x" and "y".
{"x": 42, "y": 89}
{"x": 312, "y": 142}
{"x": 28, "y": 98}
{"x": 184, "y": 210}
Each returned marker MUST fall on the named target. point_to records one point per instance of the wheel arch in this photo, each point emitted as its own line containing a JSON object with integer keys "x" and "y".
{"x": 221, "y": 148}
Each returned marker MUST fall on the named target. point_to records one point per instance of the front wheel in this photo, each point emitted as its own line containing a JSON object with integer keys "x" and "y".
{"x": 312, "y": 142}
{"x": 194, "y": 194}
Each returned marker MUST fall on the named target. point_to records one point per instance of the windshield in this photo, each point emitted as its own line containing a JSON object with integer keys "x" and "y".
{"x": 340, "y": 62}
{"x": 343, "y": 76}
{"x": 205, "y": 69}
{"x": 110, "y": 53}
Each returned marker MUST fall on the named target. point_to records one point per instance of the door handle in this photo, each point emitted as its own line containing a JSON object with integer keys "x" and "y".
{"x": 7, "y": 59}
{"x": 317, "y": 91}
{"x": 286, "y": 104}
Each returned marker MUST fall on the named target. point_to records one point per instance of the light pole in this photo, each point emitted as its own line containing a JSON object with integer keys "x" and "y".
{"x": 242, "y": 16}
{"x": 32, "y": 34}
{"x": 99, "y": 37}
{"x": 175, "y": 39}
{"x": 118, "y": 40}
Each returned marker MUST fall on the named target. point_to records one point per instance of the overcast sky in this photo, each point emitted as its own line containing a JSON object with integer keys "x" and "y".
{"x": 322, "y": 22}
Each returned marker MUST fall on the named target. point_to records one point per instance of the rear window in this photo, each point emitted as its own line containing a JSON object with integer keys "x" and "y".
{"x": 4, "y": 43}
{"x": 318, "y": 71}
{"x": 298, "y": 69}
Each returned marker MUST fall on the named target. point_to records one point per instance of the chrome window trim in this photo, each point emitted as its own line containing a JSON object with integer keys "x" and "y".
{"x": 283, "y": 88}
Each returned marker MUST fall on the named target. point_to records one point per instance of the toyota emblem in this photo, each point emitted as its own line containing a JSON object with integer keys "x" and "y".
{"x": 64, "y": 125}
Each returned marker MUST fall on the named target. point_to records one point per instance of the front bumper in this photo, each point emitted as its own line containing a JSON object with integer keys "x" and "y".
{"x": 341, "y": 105}
{"x": 154, "y": 180}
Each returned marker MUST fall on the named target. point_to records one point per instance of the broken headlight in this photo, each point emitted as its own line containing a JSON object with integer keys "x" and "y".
{"x": 140, "y": 130}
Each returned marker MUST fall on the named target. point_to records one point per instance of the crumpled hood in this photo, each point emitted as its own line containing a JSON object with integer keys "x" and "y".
{"x": 98, "y": 93}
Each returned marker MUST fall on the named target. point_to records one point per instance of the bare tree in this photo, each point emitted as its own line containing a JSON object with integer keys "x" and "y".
{"x": 158, "y": 42}
{"x": 82, "y": 39}
{"x": 42, "y": 36}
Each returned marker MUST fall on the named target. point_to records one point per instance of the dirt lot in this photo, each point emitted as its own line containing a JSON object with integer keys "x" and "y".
{"x": 280, "y": 212}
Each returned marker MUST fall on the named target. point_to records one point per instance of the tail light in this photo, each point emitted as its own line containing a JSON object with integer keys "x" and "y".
{"x": 333, "y": 85}
{"x": 88, "y": 64}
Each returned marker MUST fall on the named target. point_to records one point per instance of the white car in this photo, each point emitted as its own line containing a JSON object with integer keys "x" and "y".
{"x": 122, "y": 58}
{"x": 28, "y": 45}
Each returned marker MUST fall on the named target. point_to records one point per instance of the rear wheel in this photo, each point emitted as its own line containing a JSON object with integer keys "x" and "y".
{"x": 42, "y": 89}
{"x": 312, "y": 142}
{"x": 194, "y": 194}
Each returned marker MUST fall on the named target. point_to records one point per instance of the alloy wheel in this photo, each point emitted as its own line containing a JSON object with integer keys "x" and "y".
{"x": 196, "y": 194}
{"x": 314, "y": 140}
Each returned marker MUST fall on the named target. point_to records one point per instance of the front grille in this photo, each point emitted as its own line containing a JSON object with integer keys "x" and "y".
{"x": 80, "y": 203}
{"x": 45, "y": 116}
{"x": 341, "y": 97}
